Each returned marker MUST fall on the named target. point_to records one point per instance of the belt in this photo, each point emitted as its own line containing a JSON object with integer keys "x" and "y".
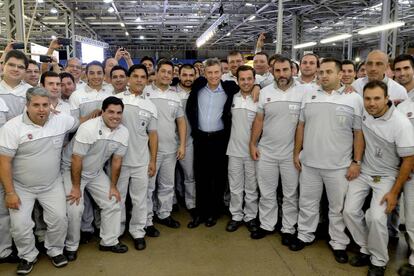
{"x": 376, "y": 178}
{"x": 211, "y": 133}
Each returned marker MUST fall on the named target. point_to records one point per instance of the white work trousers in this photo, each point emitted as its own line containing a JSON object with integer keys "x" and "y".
{"x": 187, "y": 164}
{"x": 5, "y": 235}
{"x": 268, "y": 179}
{"x": 243, "y": 188}
{"x": 53, "y": 202}
{"x": 409, "y": 215}
{"x": 369, "y": 230}
{"x": 310, "y": 192}
{"x": 98, "y": 188}
{"x": 164, "y": 195}
{"x": 134, "y": 180}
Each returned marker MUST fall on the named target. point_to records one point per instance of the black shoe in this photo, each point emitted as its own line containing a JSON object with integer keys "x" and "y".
{"x": 59, "y": 260}
{"x": 406, "y": 270}
{"x": 210, "y": 222}
{"x": 140, "y": 244}
{"x": 260, "y": 233}
{"x": 25, "y": 267}
{"x": 252, "y": 225}
{"x": 195, "y": 222}
{"x": 118, "y": 248}
{"x": 340, "y": 256}
{"x": 151, "y": 231}
{"x": 70, "y": 255}
{"x": 360, "y": 260}
{"x": 287, "y": 238}
{"x": 86, "y": 237}
{"x": 11, "y": 259}
{"x": 233, "y": 225}
{"x": 169, "y": 222}
{"x": 374, "y": 270}
{"x": 297, "y": 244}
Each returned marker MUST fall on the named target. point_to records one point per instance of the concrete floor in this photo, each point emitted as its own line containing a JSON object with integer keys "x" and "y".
{"x": 208, "y": 251}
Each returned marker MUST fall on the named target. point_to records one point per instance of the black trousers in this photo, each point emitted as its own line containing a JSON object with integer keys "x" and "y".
{"x": 210, "y": 171}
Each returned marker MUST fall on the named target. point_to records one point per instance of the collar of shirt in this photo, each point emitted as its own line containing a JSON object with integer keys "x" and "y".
{"x": 104, "y": 129}
{"x": 340, "y": 91}
{"x": 156, "y": 88}
{"x": 411, "y": 94}
{"x": 26, "y": 120}
{"x": 9, "y": 88}
{"x": 387, "y": 115}
{"x": 219, "y": 89}
{"x": 129, "y": 93}
{"x": 294, "y": 83}
{"x": 299, "y": 79}
{"x": 180, "y": 89}
{"x": 60, "y": 102}
{"x": 385, "y": 80}
{"x": 90, "y": 89}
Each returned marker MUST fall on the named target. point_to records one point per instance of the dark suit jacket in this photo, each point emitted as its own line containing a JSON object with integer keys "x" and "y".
{"x": 230, "y": 88}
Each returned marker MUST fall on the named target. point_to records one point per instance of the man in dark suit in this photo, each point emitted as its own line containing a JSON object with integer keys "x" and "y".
{"x": 209, "y": 114}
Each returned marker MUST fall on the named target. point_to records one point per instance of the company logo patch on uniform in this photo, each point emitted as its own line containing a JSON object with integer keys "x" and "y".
{"x": 313, "y": 97}
{"x": 268, "y": 99}
{"x": 363, "y": 118}
{"x": 409, "y": 114}
{"x": 100, "y": 132}
{"x": 148, "y": 94}
{"x": 143, "y": 124}
{"x": 30, "y": 136}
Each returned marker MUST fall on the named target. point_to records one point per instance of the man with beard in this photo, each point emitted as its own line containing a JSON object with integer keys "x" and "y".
{"x": 119, "y": 79}
{"x": 279, "y": 108}
{"x": 187, "y": 76}
{"x": 404, "y": 73}
{"x": 332, "y": 118}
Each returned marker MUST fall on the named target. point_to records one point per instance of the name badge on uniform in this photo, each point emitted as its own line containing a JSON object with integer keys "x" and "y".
{"x": 143, "y": 113}
{"x": 293, "y": 107}
{"x": 409, "y": 114}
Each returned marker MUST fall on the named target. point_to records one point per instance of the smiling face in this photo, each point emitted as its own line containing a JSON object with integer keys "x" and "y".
{"x": 376, "y": 65}
{"x": 119, "y": 80}
{"x": 95, "y": 76}
{"x": 213, "y": 75}
{"x": 375, "y": 101}
{"x": 246, "y": 81}
{"x": 164, "y": 75}
{"x": 112, "y": 116}
{"x": 404, "y": 72}
{"x": 14, "y": 70}
{"x": 52, "y": 84}
{"x": 348, "y": 74}
{"x": 32, "y": 74}
{"x": 187, "y": 77}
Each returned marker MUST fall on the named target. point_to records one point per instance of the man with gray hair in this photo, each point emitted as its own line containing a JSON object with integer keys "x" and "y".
{"x": 35, "y": 135}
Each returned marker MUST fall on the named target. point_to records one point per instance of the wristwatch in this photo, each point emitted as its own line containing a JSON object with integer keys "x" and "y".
{"x": 358, "y": 162}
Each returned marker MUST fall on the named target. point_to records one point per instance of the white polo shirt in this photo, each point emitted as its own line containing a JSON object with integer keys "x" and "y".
{"x": 387, "y": 139}
{"x": 140, "y": 118}
{"x": 229, "y": 77}
{"x": 3, "y": 112}
{"x": 243, "y": 112}
{"x": 395, "y": 90}
{"x": 62, "y": 107}
{"x": 15, "y": 98}
{"x": 281, "y": 111}
{"x": 85, "y": 100}
{"x": 184, "y": 98}
{"x": 169, "y": 107}
{"x": 96, "y": 143}
{"x": 330, "y": 120}
{"x": 265, "y": 79}
{"x": 36, "y": 150}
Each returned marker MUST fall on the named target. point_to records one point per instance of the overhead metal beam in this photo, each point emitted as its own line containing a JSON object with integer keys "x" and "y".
{"x": 388, "y": 41}
{"x": 70, "y": 33}
{"x": 279, "y": 29}
{"x": 14, "y": 10}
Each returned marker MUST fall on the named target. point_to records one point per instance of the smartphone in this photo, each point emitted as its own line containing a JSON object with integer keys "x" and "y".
{"x": 64, "y": 41}
{"x": 18, "y": 45}
{"x": 268, "y": 37}
{"x": 122, "y": 49}
{"x": 45, "y": 59}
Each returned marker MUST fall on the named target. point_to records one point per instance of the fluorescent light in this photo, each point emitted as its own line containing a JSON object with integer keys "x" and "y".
{"x": 381, "y": 28}
{"x": 141, "y": 37}
{"x": 140, "y": 27}
{"x": 251, "y": 17}
{"x": 274, "y": 41}
{"x": 126, "y": 33}
{"x": 210, "y": 32}
{"x": 108, "y": 1}
{"x": 357, "y": 59}
{"x": 335, "y": 38}
{"x": 53, "y": 37}
{"x": 53, "y": 10}
{"x": 138, "y": 19}
{"x": 304, "y": 45}
{"x": 40, "y": 1}
{"x": 228, "y": 34}
{"x": 249, "y": 5}
{"x": 122, "y": 24}
{"x": 111, "y": 10}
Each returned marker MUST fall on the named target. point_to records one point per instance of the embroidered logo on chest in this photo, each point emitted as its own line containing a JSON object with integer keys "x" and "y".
{"x": 409, "y": 114}
{"x": 30, "y": 136}
{"x": 268, "y": 99}
{"x": 313, "y": 97}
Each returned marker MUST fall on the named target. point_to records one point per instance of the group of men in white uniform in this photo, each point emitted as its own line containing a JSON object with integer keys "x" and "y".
{"x": 313, "y": 131}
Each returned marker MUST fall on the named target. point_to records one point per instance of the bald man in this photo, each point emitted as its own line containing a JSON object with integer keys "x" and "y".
{"x": 376, "y": 65}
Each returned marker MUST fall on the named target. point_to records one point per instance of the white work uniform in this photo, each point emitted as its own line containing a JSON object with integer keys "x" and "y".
{"x": 387, "y": 139}
{"x": 407, "y": 108}
{"x": 281, "y": 114}
{"x": 229, "y": 77}
{"x": 265, "y": 79}
{"x": 187, "y": 164}
{"x": 3, "y": 114}
{"x": 395, "y": 90}
{"x": 82, "y": 102}
{"x": 95, "y": 143}
{"x": 241, "y": 167}
{"x": 140, "y": 118}
{"x": 330, "y": 120}
{"x": 62, "y": 106}
{"x": 169, "y": 108}
{"x": 28, "y": 144}
{"x": 15, "y": 98}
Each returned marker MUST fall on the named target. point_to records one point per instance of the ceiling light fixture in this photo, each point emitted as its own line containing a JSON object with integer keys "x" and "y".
{"x": 122, "y": 24}
{"x": 228, "y": 34}
{"x": 111, "y": 10}
{"x": 251, "y": 17}
{"x": 304, "y": 45}
{"x": 138, "y": 19}
{"x": 141, "y": 37}
{"x": 53, "y": 10}
{"x": 249, "y": 5}
{"x": 336, "y": 38}
{"x": 126, "y": 33}
{"x": 40, "y": 1}
{"x": 140, "y": 27}
{"x": 381, "y": 28}
{"x": 108, "y": 1}
{"x": 211, "y": 31}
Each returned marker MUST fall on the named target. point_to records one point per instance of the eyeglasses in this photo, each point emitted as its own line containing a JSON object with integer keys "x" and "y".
{"x": 18, "y": 66}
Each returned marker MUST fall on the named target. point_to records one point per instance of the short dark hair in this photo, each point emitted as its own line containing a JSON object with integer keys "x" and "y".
{"x": 92, "y": 63}
{"x": 186, "y": 66}
{"x": 338, "y": 63}
{"x": 224, "y": 60}
{"x": 273, "y": 57}
{"x": 281, "y": 59}
{"x": 293, "y": 63}
{"x": 311, "y": 54}
{"x": 48, "y": 74}
{"x": 17, "y": 55}
{"x": 404, "y": 57}
{"x": 234, "y": 53}
{"x": 112, "y": 100}
{"x": 164, "y": 62}
{"x": 137, "y": 67}
{"x": 147, "y": 58}
{"x": 245, "y": 68}
{"x": 376, "y": 83}
{"x": 34, "y": 62}
{"x": 117, "y": 67}
{"x": 263, "y": 54}
{"x": 350, "y": 62}
{"x": 105, "y": 61}
{"x": 66, "y": 75}
{"x": 197, "y": 61}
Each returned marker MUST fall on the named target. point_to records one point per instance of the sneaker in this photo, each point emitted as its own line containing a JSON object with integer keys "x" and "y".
{"x": 406, "y": 270}
{"x": 360, "y": 260}
{"x": 376, "y": 270}
{"x": 59, "y": 260}
{"x": 118, "y": 248}
{"x": 71, "y": 255}
{"x": 11, "y": 259}
{"x": 25, "y": 267}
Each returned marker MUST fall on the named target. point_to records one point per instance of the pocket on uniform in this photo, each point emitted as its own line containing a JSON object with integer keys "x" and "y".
{"x": 344, "y": 117}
